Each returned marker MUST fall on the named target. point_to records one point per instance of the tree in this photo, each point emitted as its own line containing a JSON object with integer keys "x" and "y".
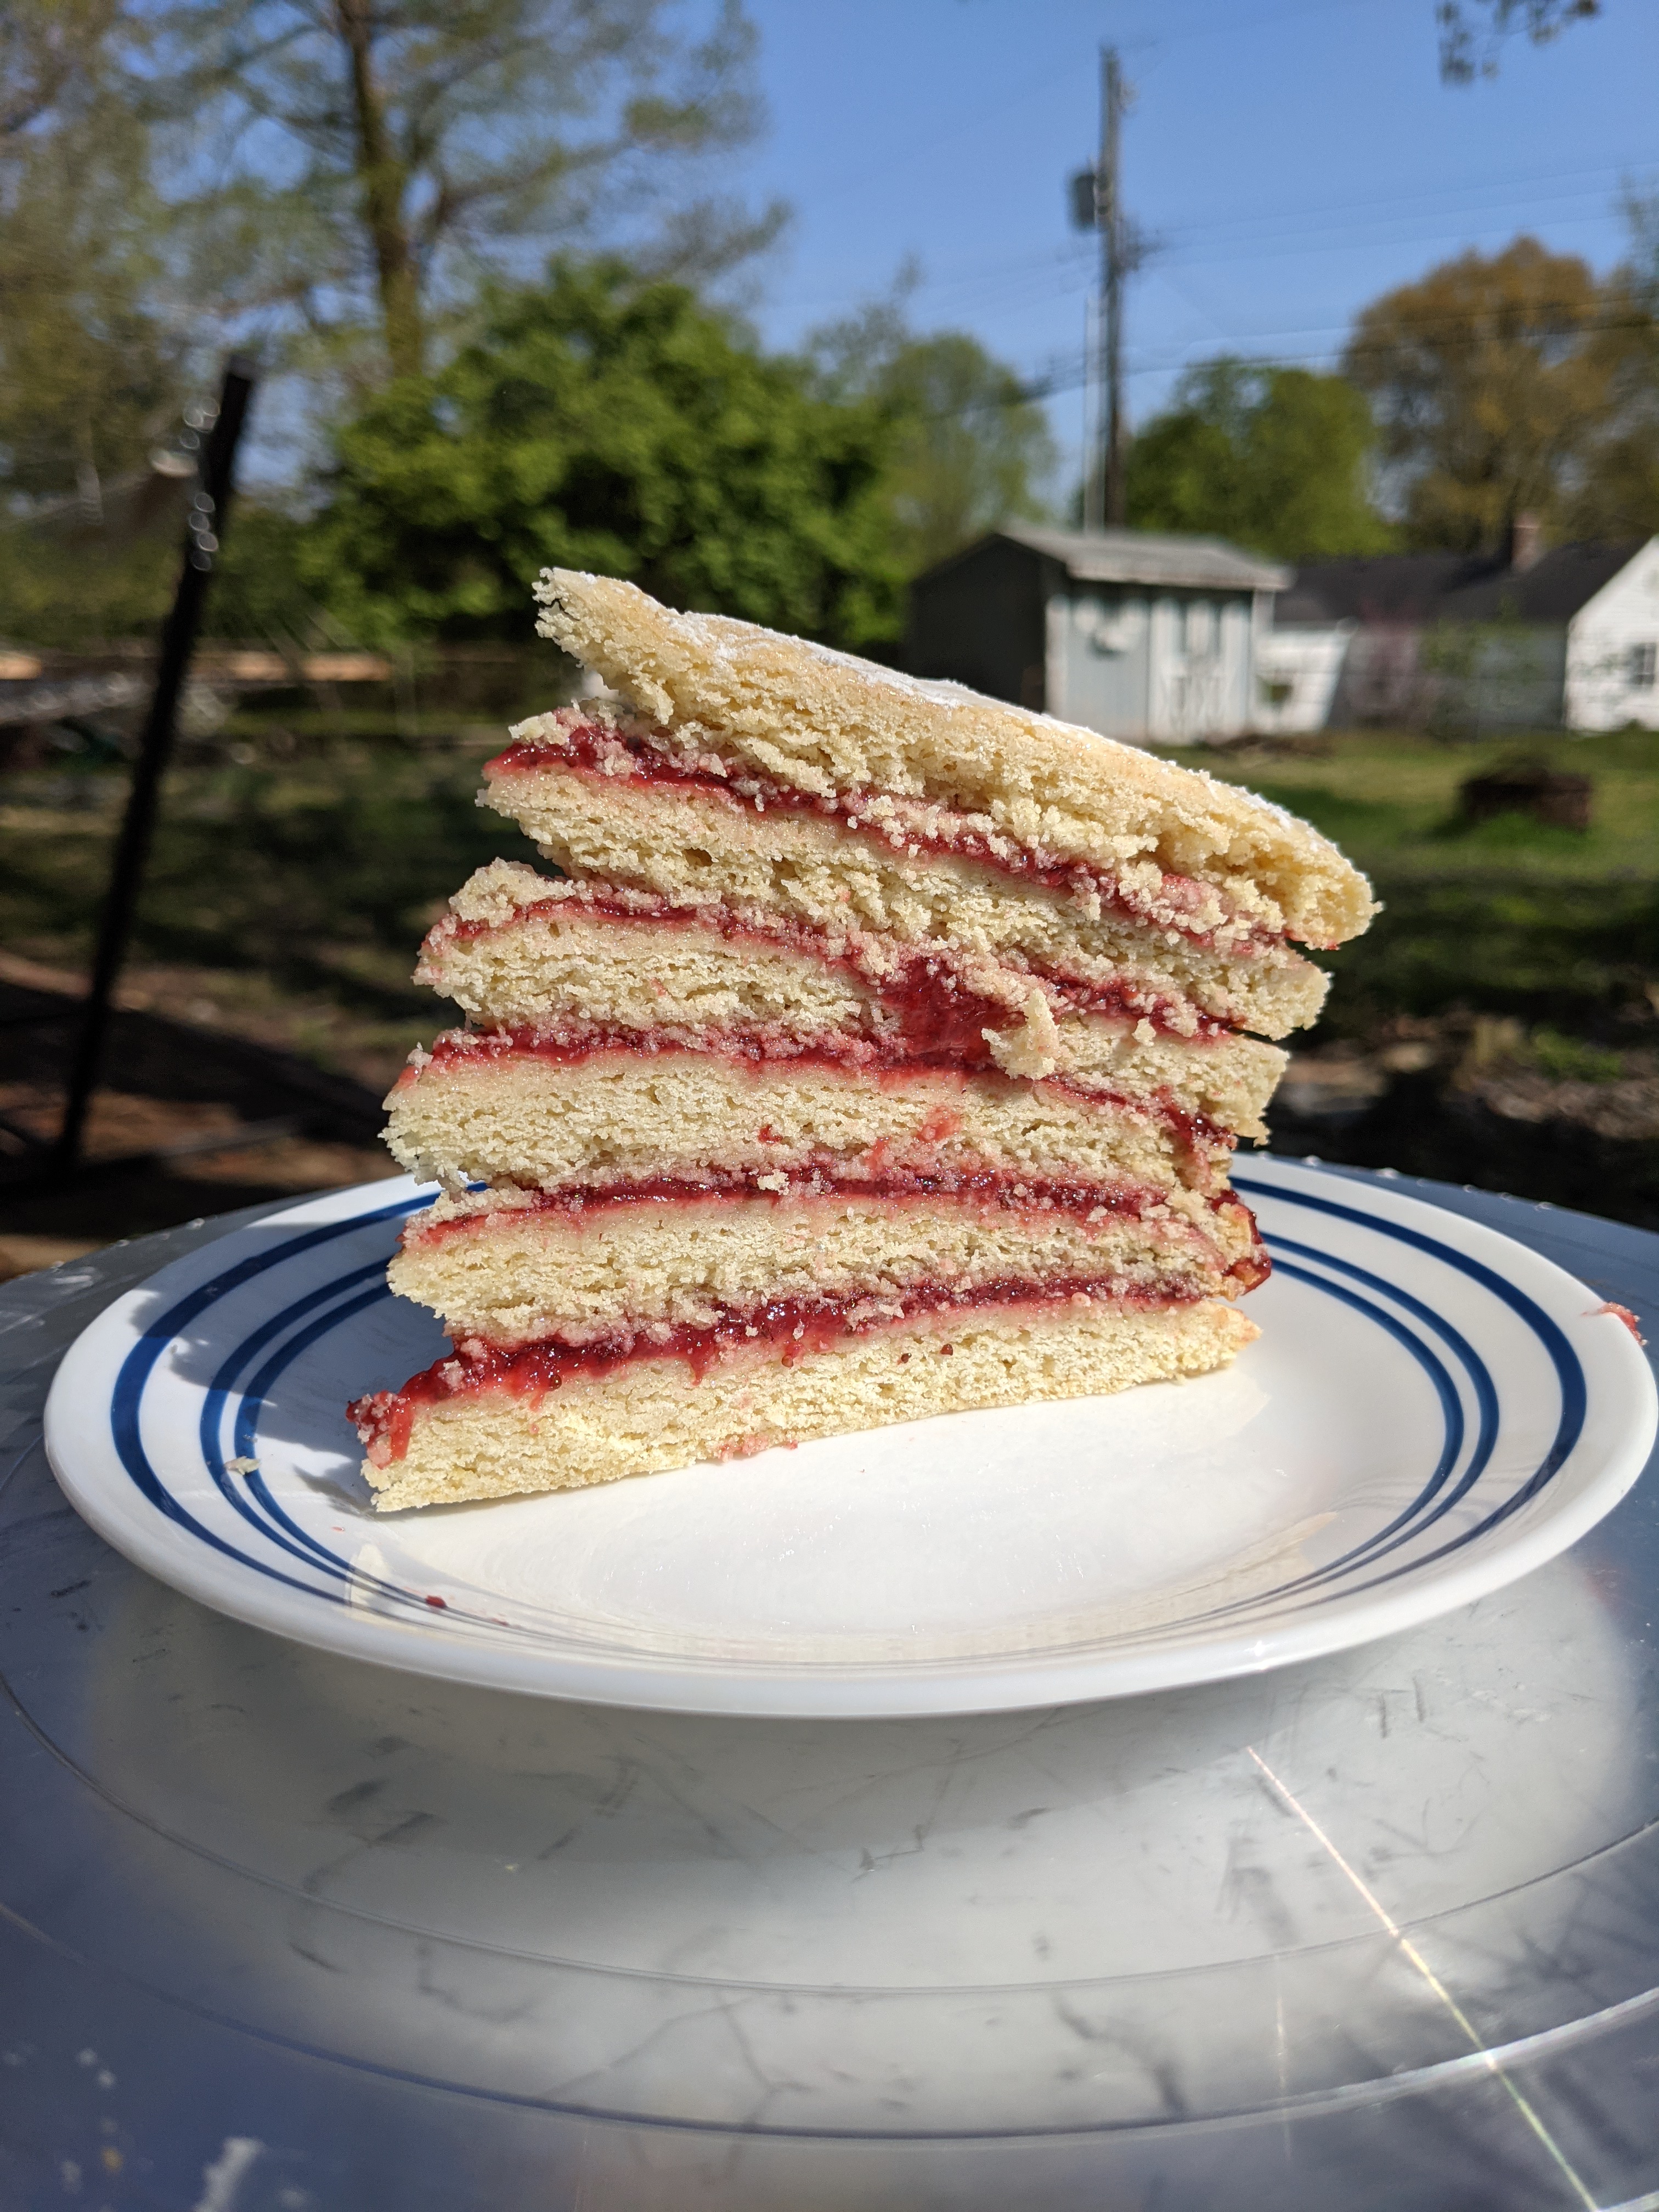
{"x": 370, "y": 154}
{"x": 969, "y": 449}
{"x": 1493, "y": 381}
{"x": 1617, "y": 493}
{"x": 1472, "y": 31}
{"x": 93, "y": 368}
{"x": 44, "y": 45}
{"x": 1274, "y": 459}
{"x": 89, "y": 370}
{"x": 606, "y": 422}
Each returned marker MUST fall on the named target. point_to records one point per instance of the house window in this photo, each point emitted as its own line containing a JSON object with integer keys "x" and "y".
{"x": 1642, "y": 666}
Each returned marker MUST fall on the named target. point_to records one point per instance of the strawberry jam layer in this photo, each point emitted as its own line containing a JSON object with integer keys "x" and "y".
{"x": 926, "y": 1006}
{"x": 906, "y": 827}
{"x": 794, "y": 1329}
{"x": 1196, "y": 1136}
{"x": 1031, "y": 1195}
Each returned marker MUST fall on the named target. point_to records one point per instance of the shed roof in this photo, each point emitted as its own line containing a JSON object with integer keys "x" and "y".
{"x": 1419, "y": 587}
{"x": 1141, "y": 557}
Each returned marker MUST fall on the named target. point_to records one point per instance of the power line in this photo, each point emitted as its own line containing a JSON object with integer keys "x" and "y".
{"x": 1071, "y": 373}
{"x": 1522, "y": 216}
{"x": 1261, "y": 232}
{"x": 1439, "y": 197}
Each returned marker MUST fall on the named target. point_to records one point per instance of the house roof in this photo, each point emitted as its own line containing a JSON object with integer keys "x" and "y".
{"x": 1141, "y": 557}
{"x": 1420, "y": 587}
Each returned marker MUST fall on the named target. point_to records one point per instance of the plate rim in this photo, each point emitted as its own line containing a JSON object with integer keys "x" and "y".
{"x": 892, "y": 1689}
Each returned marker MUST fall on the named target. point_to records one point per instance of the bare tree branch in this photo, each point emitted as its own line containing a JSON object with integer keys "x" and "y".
{"x": 44, "y": 45}
{"x": 1473, "y": 31}
{"x": 438, "y": 137}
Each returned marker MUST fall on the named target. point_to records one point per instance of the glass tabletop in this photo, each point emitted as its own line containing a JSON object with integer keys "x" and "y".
{"x": 283, "y": 1930}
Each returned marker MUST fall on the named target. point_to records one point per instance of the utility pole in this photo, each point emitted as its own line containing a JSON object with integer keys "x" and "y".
{"x": 1097, "y": 205}
{"x": 1111, "y": 286}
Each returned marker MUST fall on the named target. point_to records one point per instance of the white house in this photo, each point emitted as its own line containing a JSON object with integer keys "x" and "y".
{"x": 1137, "y": 636}
{"x": 1612, "y": 650}
{"x": 1528, "y": 639}
{"x": 1298, "y": 666}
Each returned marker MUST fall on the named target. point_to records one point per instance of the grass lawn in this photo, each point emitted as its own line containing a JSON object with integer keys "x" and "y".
{"x": 1510, "y": 917}
{"x": 285, "y": 897}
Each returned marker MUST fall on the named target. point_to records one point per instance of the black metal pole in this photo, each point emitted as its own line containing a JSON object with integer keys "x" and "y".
{"x": 204, "y": 536}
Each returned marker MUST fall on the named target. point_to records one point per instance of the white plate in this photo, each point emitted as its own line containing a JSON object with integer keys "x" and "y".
{"x": 1431, "y": 1411}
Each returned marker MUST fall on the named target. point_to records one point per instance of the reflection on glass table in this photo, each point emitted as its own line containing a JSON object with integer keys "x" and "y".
{"x": 1381, "y": 1928}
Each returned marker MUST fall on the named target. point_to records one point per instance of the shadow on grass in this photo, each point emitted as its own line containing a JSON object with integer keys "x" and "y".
{"x": 1571, "y": 954}
{"x": 1420, "y": 1128}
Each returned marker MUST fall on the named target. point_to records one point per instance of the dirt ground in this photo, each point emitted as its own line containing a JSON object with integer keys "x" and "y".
{"x": 192, "y": 1122}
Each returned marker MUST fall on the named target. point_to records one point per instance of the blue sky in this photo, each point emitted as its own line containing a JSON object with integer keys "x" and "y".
{"x": 1294, "y": 157}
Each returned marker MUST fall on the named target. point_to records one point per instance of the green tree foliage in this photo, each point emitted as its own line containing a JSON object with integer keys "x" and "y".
{"x": 1277, "y": 459}
{"x": 1615, "y": 491}
{"x": 330, "y": 176}
{"x": 1497, "y": 380}
{"x": 601, "y": 421}
{"x": 968, "y": 449}
{"x": 92, "y": 366}
{"x": 372, "y": 155}
{"x": 89, "y": 369}
{"x": 259, "y": 588}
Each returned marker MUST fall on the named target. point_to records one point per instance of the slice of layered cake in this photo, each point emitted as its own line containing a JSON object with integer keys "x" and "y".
{"x": 878, "y": 1051}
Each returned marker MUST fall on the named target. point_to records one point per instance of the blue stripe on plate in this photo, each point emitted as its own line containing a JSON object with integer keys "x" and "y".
{"x": 127, "y": 1399}
{"x": 287, "y": 1334}
{"x": 1486, "y": 1390}
{"x": 1569, "y": 1374}
{"x": 282, "y": 1528}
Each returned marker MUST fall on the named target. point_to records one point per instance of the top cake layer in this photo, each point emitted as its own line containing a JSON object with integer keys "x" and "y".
{"x": 717, "y": 692}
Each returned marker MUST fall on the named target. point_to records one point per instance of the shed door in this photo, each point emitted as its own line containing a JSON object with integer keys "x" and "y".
{"x": 1101, "y": 640}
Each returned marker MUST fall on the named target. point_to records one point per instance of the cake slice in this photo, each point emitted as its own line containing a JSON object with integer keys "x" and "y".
{"x": 878, "y": 1051}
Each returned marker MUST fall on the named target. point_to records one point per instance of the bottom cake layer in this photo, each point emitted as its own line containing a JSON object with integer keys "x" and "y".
{"x": 497, "y": 1429}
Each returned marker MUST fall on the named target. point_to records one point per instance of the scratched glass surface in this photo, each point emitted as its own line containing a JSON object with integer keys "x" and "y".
{"x": 1398, "y": 1903}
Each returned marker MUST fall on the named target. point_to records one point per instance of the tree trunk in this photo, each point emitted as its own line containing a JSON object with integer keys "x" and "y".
{"x": 383, "y": 182}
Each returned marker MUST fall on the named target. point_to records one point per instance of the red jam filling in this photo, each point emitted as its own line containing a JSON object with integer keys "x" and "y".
{"x": 385, "y": 1419}
{"x": 933, "y": 1012}
{"x": 607, "y": 750}
{"x": 894, "y": 1187}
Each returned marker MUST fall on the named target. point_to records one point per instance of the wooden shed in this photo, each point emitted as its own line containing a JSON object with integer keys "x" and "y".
{"x": 1139, "y": 636}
